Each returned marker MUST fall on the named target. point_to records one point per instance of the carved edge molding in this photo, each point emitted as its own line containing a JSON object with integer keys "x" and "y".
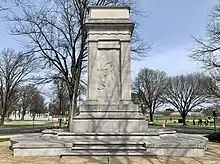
{"x": 110, "y": 33}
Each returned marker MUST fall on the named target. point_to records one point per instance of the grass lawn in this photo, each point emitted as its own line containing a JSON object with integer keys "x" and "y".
{"x": 26, "y": 124}
{"x": 170, "y": 122}
{"x": 157, "y": 123}
{"x": 212, "y": 154}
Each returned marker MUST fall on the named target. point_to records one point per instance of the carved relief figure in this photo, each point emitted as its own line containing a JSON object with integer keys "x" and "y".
{"x": 105, "y": 76}
{"x": 108, "y": 76}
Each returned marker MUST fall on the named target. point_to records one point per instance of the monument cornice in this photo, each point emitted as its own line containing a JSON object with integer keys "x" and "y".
{"x": 108, "y": 7}
{"x": 109, "y": 24}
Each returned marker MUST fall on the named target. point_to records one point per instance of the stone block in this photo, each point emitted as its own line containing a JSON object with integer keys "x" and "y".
{"x": 109, "y": 12}
{"x": 40, "y": 151}
{"x": 108, "y": 126}
{"x": 111, "y": 107}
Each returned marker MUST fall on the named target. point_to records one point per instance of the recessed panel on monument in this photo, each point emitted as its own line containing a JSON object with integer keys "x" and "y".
{"x": 108, "y": 81}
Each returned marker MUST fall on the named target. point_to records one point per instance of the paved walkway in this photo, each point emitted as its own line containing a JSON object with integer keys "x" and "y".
{"x": 178, "y": 129}
{"x": 191, "y": 130}
{"x": 9, "y": 131}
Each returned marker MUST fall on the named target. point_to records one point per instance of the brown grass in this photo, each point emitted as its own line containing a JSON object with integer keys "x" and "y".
{"x": 212, "y": 157}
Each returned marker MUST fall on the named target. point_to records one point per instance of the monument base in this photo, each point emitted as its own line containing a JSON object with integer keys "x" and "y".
{"x": 61, "y": 143}
{"x": 108, "y": 126}
{"x": 109, "y": 119}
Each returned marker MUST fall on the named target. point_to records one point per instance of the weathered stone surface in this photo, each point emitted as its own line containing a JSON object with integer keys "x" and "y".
{"x": 109, "y": 75}
{"x": 109, "y": 62}
{"x": 57, "y": 144}
{"x": 108, "y": 108}
{"x": 110, "y": 115}
{"x": 37, "y": 145}
{"x": 109, "y": 13}
{"x": 108, "y": 125}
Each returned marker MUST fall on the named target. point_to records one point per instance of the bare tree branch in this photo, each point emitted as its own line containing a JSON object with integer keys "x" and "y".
{"x": 206, "y": 50}
{"x": 57, "y": 33}
{"x": 185, "y": 92}
{"x": 150, "y": 85}
{"x": 14, "y": 70}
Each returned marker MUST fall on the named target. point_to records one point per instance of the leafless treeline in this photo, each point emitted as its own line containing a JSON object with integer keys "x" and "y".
{"x": 153, "y": 88}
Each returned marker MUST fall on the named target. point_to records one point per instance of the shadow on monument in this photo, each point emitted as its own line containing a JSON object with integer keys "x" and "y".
{"x": 109, "y": 119}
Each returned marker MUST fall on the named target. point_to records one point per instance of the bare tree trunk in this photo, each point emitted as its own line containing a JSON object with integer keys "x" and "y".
{"x": 3, "y": 114}
{"x": 2, "y": 119}
{"x": 60, "y": 111}
{"x": 73, "y": 100}
{"x": 184, "y": 119}
{"x": 72, "y": 109}
{"x": 23, "y": 114}
{"x": 19, "y": 113}
{"x": 15, "y": 114}
{"x": 8, "y": 116}
{"x": 33, "y": 122}
{"x": 151, "y": 116}
{"x": 22, "y": 117}
{"x": 151, "y": 113}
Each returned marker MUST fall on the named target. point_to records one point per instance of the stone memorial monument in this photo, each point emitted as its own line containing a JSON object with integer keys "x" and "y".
{"x": 108, "y": 123}
{"x": 109, "y": 107}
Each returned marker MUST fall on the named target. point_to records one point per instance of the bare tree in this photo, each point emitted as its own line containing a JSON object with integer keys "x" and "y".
{"x": 37, "y": 106}
{"x": 60, "y": 97}
{"x": 4, "y": 6}
{"x": 149, "y": 86}
{"x": 14, "y": 103}
{"x": 26, "y": 96}
{"x": 206, "y": 50}
{"x": 185, "y": 92}
{"x": 14, "y": 69}
{"x": 56, "y": 30}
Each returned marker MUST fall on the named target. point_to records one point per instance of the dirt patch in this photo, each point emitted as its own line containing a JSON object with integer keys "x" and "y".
{"x": 4, "y": 139}
{"x": 212, "y": 156}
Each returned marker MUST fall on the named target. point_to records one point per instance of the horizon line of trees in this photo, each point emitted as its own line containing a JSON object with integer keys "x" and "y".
{"x": 16, "y": 91}
{"x": 153, "y": 88}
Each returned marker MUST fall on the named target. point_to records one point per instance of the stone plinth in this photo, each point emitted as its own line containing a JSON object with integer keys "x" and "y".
{"x": 109, "y": 107}
{"x": 61, "y": 143}
{"x": 108, "y": 119}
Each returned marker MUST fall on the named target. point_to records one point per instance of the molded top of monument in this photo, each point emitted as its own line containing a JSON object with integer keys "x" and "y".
{"x": 109, "y": 12}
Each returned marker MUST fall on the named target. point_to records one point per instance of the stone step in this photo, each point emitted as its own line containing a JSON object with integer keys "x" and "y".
{"x": 104, "y": 139}
{"x": 107, "y": 153}
{"x": 150, "y": 132}
{"x": 108, "y": 148}
{"x": 108, "y": 143}
{"x": 111, "y": 134}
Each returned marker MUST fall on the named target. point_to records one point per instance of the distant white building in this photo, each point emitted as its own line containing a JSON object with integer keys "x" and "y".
{"x": 197, "y": 114}
{"x": 28, "y": 116}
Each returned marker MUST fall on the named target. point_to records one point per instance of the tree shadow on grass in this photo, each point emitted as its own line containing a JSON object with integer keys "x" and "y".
{"x": 124, "y": 160}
